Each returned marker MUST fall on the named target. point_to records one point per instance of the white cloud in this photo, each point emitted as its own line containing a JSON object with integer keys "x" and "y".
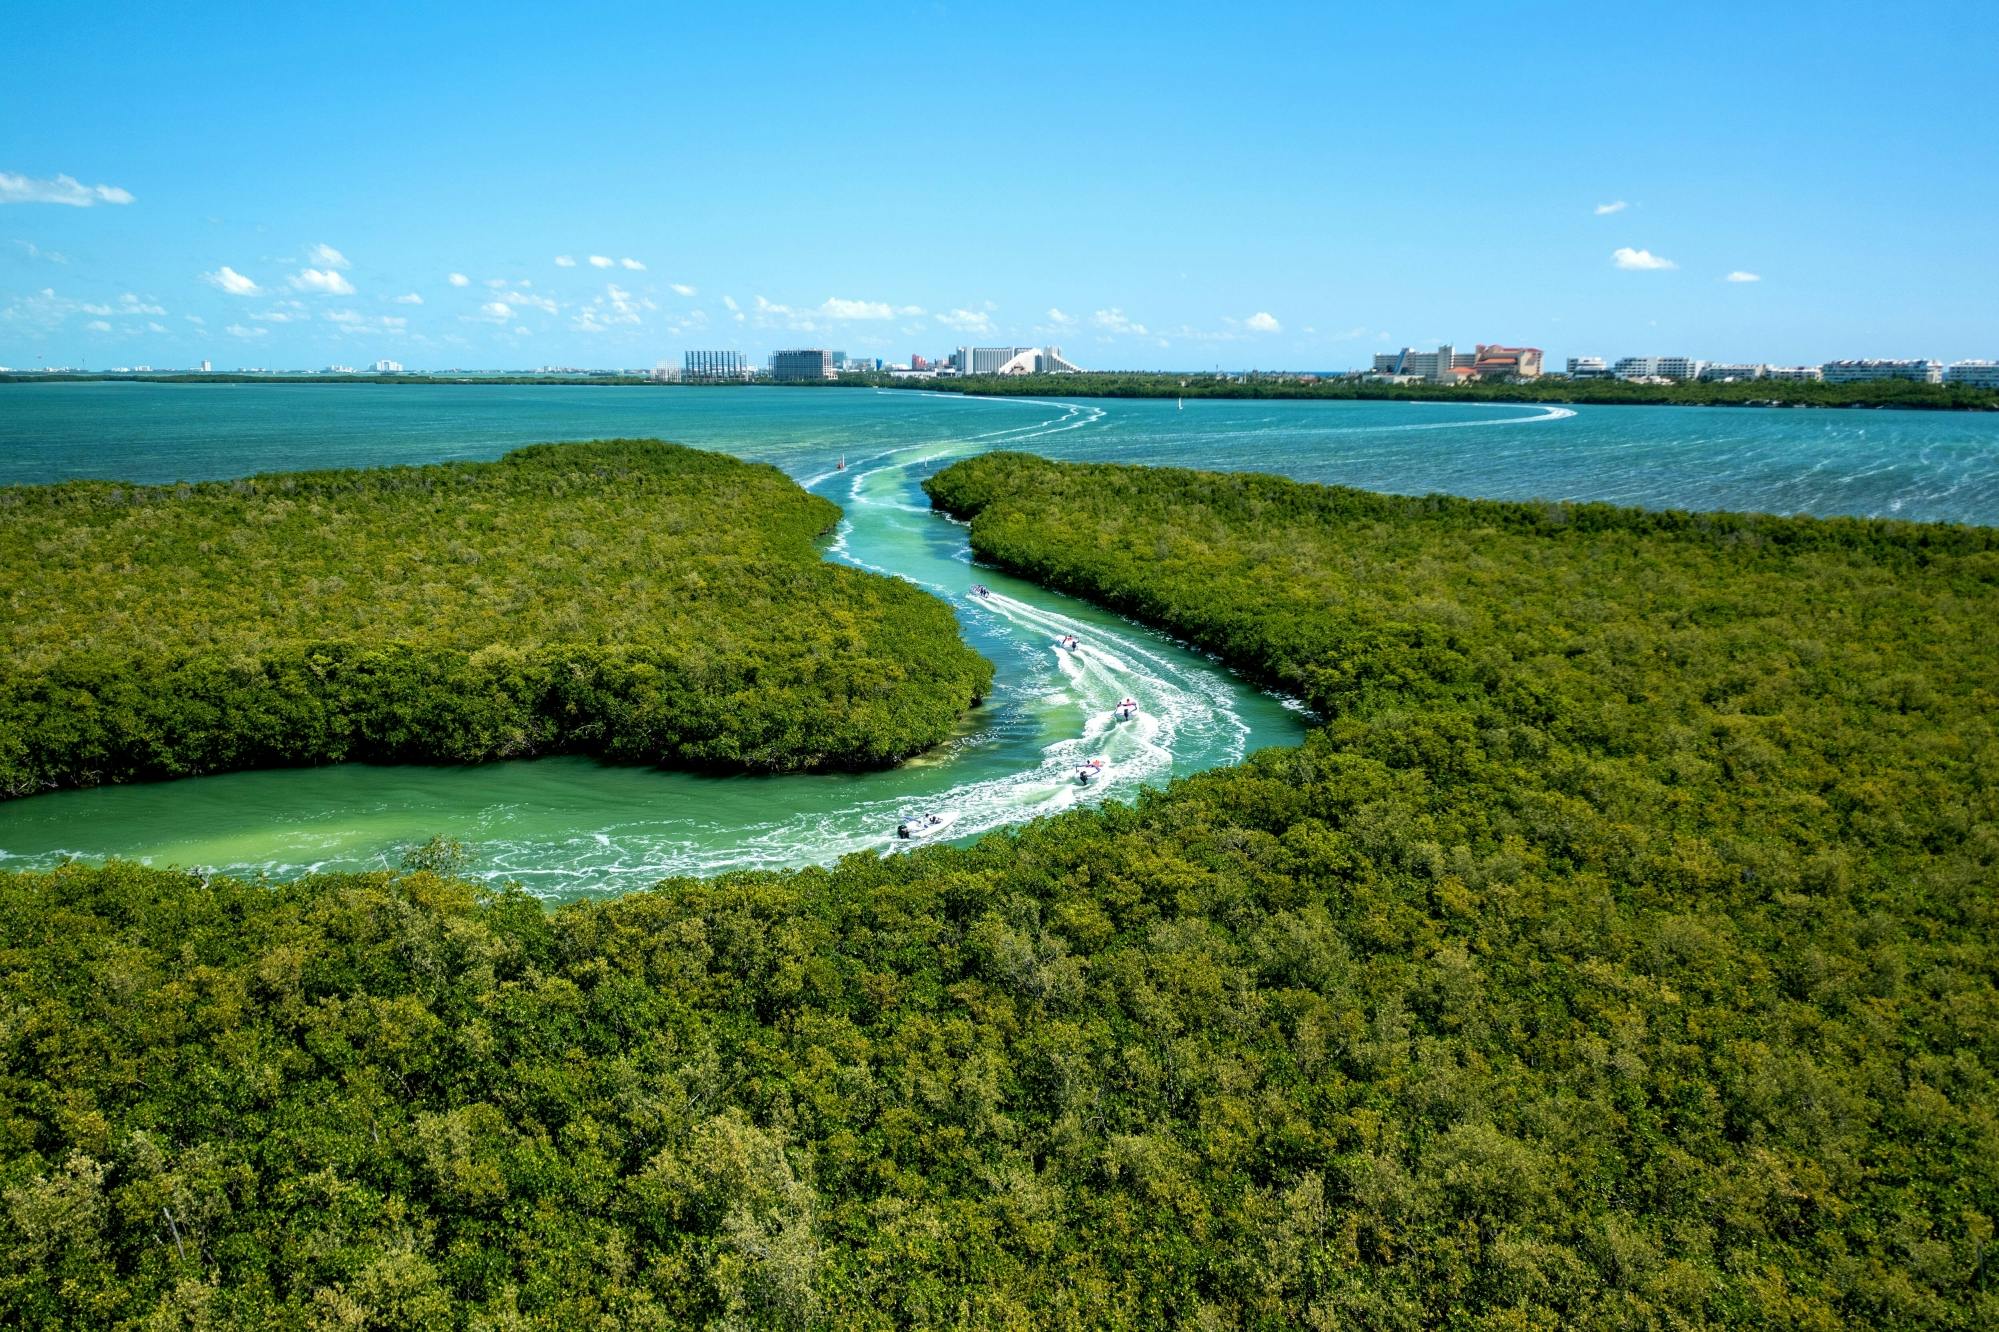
{"x": 1263, "y": 322}
{"x": 240, "y": 331}
{"x": 730, "y": 301}
{"x": 565, "y": 261}
{"x": 542, "y": 303}
{"x": 231, "y": 281}
{"x": 35, "y": 251}
{"x": 496, "y": 283}
{"x": 616, "y": 306}
{"x": 196, "y": 320}
{"x": 155, "y": 326}
{"x": 1739, "y": 276}
{"x": 128, "y": 304}
{"x": 281, "y": 317}
{"x": 967, "y": 321}
{"x": 601, "y": 261}
{"x": 460, "y": 280}
{"x": 98, "y": 326}
{"x": 409, "y": 298}
{"x": 1639, "y": 260}
{"x": 1056, "y": 316}
{"x": 836, "y": 307}
{"x": 631, "y": 263}
{"x": 1605, "y": 210}
{"x": 326, "y": 256}
{"x": 60, "y": 190}
{"x": 498, "y": 310}
{"x": 1114, "y": 320}
{"x": 322, "y": 280}
{"x": 682, "y": 289}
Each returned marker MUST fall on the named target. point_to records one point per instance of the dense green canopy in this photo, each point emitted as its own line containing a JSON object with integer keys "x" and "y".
{"x": 626, "y": 598}
{"x": 1619, "y": 953}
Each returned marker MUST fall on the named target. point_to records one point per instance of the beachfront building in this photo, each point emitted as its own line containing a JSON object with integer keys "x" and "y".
{"x": 1587, "y": 367}
{"x": 986, "y": 360}
{"x": 1671, "y": 369}
{"x": 803, "y": 365}
{"x": 1435, "y": 367}
{"x": 1861, "y": 372}
{"x": 382, "y": 367}
{"x": 1794, "y": 373}
{"x": 1726, "y": 372}
{"x": 1973, "y": 374}
{"x": 714, "y": 366}
{"x": 1038, "y": 361}
{"x": 1492, "y": 361}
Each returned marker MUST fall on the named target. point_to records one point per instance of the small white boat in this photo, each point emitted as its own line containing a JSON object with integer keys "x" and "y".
{"x": 1125, "y": 710}
{"x": 925, "y": 825}
{"x": 1067, "y": 643}
{"x": 1090, "y": 771}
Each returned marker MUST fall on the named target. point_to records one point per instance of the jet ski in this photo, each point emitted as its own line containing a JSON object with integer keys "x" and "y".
{"x": 1125, "y": 710}
{"x": 1090, "y": 771}
{"x": 925, "y": 825}
{"x": 981, "y": 590}
{"x": 1067, "y": 643}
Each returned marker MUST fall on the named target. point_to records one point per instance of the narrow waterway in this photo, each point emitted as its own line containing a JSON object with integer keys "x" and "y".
{"x": 569, "y": 826}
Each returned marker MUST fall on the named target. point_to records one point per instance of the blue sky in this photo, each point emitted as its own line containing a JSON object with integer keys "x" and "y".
{"x": 1273, "y": 186}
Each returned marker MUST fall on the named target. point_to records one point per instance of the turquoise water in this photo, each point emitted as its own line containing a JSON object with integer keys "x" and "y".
{"x": 565, "y": 826}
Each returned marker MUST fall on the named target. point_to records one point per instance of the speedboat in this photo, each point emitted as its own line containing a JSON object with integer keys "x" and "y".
{"x": 1125, "y": 710}
{"x": 981, "y": 590}
{"x": 1090, "y": 771}
{"x": 925, "y": 825}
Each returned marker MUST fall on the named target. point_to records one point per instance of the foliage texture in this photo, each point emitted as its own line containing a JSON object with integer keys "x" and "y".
{"x": 626, "y": 598}
{"x": 1619, "y": 952}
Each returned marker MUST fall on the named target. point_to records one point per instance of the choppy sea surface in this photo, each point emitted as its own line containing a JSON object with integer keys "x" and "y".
{"x": 568, "y": 826}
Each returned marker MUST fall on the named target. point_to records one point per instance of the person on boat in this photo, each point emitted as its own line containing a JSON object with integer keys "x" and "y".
{"x": 1127, "y": 709}
{"x": 902, "y": 830}
{"x": 1090, "y": 771}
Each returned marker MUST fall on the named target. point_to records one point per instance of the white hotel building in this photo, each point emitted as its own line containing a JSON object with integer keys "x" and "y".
{"x": 1675, "y": 368}
{"x": 1973, "y": 374}
{"x": 1860, "y": 372}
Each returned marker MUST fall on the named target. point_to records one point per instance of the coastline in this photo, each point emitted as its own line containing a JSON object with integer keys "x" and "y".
{"x": 1878, "y": 395}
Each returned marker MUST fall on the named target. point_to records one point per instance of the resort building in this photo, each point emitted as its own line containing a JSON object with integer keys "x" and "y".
{"x": 803, "y": 365}
{"x": 1437, "y": 367}
{"x": 711, "y": 366}
{"x": 1723, "y": 372}
{"x": 1672, "y": 369}
{"x": 1973, "y": 374}
{"x": 1793, "y": 372}
{"x": 1588, "y": 367}
{"x": 1492, "y": 361}
{"x": 382, "y": 367}
{"x": 986, "y": 360}
{"x": 1860, "y": 372}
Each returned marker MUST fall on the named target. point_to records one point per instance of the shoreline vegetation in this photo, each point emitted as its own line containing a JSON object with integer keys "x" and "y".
{"x": 1546, "y": 391}
{"x": 1619, "y": 951}
{"x": 628, "y": 599}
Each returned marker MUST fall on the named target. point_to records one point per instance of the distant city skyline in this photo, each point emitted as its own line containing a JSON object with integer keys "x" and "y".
{"x": 1279, "y": 190}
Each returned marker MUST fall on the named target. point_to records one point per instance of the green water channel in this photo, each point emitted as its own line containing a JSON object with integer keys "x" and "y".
{"x": 569, "y": 826}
